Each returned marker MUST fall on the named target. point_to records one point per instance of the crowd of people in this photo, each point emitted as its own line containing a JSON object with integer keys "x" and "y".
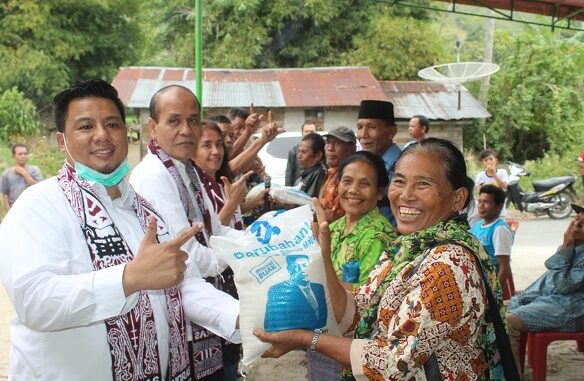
{"x": 112, "y": 278}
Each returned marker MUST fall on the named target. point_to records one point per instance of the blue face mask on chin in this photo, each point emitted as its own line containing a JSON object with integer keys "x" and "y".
{"x": 105, "y": 179}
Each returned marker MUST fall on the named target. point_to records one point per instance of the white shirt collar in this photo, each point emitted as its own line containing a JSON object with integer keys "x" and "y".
{"x": 126, "y": 199}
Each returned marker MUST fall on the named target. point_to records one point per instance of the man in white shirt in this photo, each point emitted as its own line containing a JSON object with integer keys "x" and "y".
{"x": 166, "y": 178}
{"x": 96, "y": 298}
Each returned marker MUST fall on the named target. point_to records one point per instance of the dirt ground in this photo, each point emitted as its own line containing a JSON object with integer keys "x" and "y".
{"x": 565, "y": 363}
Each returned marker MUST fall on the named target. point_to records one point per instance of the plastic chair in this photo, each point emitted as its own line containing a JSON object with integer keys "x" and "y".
{"x": 513, "y": 224}
{"x": 537, "y": 343}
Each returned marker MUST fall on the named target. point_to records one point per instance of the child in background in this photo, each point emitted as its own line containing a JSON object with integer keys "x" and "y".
{"x": 491, "y": 175}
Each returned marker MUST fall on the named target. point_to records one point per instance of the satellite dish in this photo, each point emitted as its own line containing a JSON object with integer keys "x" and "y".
{"x": 457, "y": 73}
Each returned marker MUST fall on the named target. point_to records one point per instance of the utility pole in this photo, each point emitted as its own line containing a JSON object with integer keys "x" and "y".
{"x": 199, "y": 54}
{"x": 487, "y": 57}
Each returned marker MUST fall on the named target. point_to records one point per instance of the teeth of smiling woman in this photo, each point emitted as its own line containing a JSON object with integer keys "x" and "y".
{"x": 353, "y": 201}
{"x": 408, "y": 212}
{"x": 103, "y": 151}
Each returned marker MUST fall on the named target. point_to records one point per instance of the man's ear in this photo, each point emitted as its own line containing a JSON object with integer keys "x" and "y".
{"x": 321, "y": 156}
{"x": 60, "y": 137}
{"x": 392, "y": 131}
{"x": 152, "y": 127}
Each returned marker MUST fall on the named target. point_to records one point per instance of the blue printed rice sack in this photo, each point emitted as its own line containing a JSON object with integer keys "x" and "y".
{"x": 280, "y": 277}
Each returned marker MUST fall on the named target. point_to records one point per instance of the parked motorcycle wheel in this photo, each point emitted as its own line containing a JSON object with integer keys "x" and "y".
{"x": 563, "y": 208}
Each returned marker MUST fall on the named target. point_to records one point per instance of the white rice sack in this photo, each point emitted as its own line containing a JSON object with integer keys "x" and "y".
{"x": 290, "y": 195}
{"x": 253, "y": 192}
{"x": 280, "y": 278}
{"x": 283, "y": 195}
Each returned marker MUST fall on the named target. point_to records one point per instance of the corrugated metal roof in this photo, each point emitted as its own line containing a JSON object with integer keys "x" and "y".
{"x": 216, "y": 94}
{"x": 306, "y": 87}
{"x": 434, "y": 100}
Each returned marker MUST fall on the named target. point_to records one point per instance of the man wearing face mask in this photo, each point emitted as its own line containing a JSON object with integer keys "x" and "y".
{"x": 89, "y": 264}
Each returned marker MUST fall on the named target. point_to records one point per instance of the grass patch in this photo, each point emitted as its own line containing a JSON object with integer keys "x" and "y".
{"x": 48, "y": 158}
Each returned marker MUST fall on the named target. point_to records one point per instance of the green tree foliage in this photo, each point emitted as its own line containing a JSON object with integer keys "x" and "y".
{"x": 279, "y": 33}
{"x": 536, "y": 98}
{"x": 18, "y": 117}
{"x": 45, "y": 45}
{"x": 397, "y": 48}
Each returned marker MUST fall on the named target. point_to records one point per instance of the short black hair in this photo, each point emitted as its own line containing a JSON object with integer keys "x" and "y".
{"x": 370, "y": 158}
{"x": 424, "y": 122}
{"x": 317, "y": 142}
{"x": 309, "y": 122}
{"x": 238, "y": 113}
{"x": 219, "y": 119}
{"x": 15, "y": 146}
{"x": 498, "y": 193}
{"x": 92, "y": 88}
{"x": 486, "y": 153}
{"x": 152, "y": 107}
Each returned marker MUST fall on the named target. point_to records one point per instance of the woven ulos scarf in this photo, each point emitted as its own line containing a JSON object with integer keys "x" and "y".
{"x": 131, "y": 337}
{"x": 206, "y": 349}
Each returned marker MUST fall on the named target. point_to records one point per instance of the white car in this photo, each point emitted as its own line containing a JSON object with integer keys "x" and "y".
{"x": 274, "y": 155}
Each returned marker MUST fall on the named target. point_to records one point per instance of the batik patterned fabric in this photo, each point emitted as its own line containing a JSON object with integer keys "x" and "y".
{"x": 132, "y": 336}
{"x": 439, "y": 309}
{"x": 355, "y": 254}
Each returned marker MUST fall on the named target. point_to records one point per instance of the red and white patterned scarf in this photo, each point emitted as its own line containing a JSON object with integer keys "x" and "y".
{"x": 206, "y": 350}
{"x": 131, "y": 337}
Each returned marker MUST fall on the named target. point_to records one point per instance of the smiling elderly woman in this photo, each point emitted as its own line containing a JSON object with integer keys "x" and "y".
{"x": 421, "y": 315}
{"x": 358, "y": 238}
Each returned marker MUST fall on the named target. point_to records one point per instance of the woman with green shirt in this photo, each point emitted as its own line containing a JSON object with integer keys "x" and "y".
{"x": 358, "y": 238}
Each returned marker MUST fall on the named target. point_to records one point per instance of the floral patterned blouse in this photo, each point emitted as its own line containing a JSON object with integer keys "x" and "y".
{"x": 355, "y": 254}
{"x": 438, "y": 309}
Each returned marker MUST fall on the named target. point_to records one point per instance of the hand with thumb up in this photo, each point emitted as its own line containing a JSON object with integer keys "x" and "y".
{"x": 157, "y": 265}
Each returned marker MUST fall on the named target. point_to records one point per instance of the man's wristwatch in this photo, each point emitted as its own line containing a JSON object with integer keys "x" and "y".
{"x": 312, "y": 347}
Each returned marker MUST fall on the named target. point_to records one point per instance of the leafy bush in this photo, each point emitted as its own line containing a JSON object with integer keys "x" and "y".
{"x": 536, "y": 98}
{"x": 18, "y": 117}
{"x": 552, "y": 165}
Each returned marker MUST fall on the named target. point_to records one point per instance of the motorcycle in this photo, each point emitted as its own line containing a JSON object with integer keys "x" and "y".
{"x": 553, "y": 195}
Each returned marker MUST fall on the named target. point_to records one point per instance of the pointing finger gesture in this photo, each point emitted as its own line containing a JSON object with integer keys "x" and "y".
{"x": 157, "y": 265}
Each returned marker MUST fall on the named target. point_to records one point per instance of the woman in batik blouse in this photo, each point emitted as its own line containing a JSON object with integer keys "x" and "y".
{"x": 425, "y": 306}
{"x": 358, "y": 238}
